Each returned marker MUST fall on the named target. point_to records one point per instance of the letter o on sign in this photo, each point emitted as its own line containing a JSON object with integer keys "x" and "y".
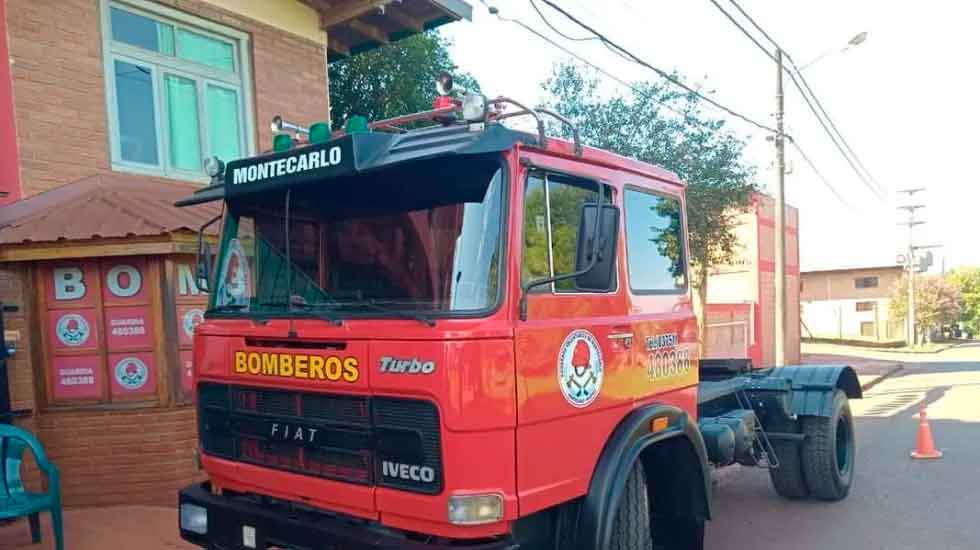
{"x": 124, "y": 281}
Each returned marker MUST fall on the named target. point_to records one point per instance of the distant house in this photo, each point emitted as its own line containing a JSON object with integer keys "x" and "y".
{"x": 850, "y": 304}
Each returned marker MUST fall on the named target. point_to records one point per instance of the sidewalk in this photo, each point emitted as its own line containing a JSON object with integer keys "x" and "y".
{"x": 870, "y": 371}
{"x": 120, "y": 527}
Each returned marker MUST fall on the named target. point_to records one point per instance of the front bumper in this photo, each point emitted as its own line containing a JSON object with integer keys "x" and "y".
{"x": 279, "y": 525}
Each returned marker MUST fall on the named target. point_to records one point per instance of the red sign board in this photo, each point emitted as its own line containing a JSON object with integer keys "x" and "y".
{"x": 76, "y": 377}
{"x": 186, "y": 370}
{"x": 188, "y": 318}
{"x": 124, "y": 281}
{"x": 132, "y": 373}
{"x": 73, "y": 284}
{"x": 128, "y": 327}
{"x": 72, "y": 329}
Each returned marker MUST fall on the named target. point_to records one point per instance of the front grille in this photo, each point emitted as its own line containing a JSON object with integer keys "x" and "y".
{"x": 366, "y": 440}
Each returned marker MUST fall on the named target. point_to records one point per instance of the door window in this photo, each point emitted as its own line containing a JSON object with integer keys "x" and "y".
{"x": 552, "y": 210}
{"x": 654, "y": 243}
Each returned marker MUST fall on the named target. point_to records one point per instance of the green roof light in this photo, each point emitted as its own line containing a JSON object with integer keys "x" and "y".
{"x": 357, "y": 124}
{"x": 282, "y": 142}
{"x": 319, "y": 132}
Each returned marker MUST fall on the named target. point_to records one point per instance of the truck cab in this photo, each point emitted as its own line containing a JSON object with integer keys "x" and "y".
{"x": 462, "y": 335}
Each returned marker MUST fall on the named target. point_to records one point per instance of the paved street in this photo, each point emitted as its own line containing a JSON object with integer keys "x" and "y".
{"x": 895, "y": 503}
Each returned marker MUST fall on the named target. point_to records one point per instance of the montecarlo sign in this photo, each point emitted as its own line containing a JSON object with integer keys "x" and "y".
{"x": 279, "y": 170}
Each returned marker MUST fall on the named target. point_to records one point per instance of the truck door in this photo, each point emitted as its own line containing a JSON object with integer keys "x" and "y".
{"x": 572, "y": 354}
{"x": 663, "y": 320}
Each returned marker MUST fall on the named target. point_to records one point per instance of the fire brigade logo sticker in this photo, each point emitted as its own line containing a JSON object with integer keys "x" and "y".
{"x": 580, "y": 368}
{"x": 235, "y": 276}
{"x": 72, "y": 329}
{"x": 131, "y": 373}
{"x": 192, "y": 318}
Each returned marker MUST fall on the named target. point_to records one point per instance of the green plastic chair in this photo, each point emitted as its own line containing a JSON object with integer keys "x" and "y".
{"x": 15, "y": 500}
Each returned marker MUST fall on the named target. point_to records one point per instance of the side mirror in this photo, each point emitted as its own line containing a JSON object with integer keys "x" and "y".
{"x": 600, "y": 277}
{"x": 204, "y": 263}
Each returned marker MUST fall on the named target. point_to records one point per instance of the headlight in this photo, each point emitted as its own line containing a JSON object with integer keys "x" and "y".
{"x": 193, "y": 518}
{"x": 474, "y": 107}
{"x": 475, "y": 509}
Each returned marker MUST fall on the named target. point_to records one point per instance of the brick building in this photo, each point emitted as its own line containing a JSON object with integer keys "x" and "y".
{"x": 107, "y": 108}
{"x": 851, "y": 304}
{"x": 741, "y": 308}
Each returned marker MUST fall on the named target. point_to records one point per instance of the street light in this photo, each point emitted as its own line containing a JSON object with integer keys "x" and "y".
{"x": 856, "y": 40}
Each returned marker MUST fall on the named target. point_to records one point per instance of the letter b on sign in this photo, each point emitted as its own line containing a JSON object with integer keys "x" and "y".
{"x": 68, "y": 284}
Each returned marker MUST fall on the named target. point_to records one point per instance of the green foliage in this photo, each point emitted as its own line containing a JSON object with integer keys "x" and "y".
{"x": 967, "y": 281}
{"x": 681, "y": 138}
{"x": 937, "y": 302}
{"x": 393, "y": 80}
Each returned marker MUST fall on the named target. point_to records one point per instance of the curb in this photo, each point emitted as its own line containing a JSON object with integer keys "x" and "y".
{"x": 897, "y": 367}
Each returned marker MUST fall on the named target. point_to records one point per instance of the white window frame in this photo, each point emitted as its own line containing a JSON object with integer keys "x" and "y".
{"x": 161, "y": 65}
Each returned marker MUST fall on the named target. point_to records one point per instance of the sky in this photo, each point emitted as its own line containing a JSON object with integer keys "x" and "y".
{"x": 907, "y": 100}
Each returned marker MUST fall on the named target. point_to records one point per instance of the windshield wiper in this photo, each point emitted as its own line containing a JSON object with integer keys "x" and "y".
{"x": 374, "y": 304}
{"x": 305, "y": 309}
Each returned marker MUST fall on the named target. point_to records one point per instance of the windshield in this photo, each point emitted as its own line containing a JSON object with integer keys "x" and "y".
{"x": 423, "y": 237}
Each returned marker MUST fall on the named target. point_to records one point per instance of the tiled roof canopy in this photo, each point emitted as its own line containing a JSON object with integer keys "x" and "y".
{"x": 101, "y": 207}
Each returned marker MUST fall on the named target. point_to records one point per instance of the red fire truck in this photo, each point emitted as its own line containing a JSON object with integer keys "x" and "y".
{"x": 468, "y": 336}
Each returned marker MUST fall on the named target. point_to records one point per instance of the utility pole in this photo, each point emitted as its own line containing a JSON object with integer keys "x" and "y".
{"x": 911, "y": 222}
{"x": 780, "y": 221}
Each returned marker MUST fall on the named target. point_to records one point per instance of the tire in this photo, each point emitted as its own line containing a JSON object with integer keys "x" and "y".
{"x": 828, "y": 451}
{"x": 631, "y": 530}
{"x": 788, "y": 479}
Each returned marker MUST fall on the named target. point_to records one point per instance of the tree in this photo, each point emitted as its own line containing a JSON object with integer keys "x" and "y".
{"x": 395, "y": 79}
{"x": 657, "y": 124}
{"x": 967, "y": 281}
{"x": 937, "y": 303}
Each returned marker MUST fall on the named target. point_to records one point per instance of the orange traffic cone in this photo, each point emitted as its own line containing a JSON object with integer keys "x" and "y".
{"x": 925, "y": 448}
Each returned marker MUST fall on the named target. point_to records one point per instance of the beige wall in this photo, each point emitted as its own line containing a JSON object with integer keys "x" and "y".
{"x": 739, "y": 280}
{"x": 291, "y": 16}
{"x": 839, "y": 285}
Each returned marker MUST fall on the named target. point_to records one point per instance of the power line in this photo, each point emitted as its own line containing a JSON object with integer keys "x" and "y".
{"x": 598, "y": 68}
{"x": 558, "y": 32}
{"x": 820, "y": 175}
{"x": 810, "y": 90}
{"x": 807, "y": 93}
{"x": 639, "y": 92}
{"x": 662, "y": 73}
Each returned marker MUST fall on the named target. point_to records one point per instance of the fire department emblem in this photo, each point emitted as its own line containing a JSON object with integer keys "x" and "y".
{"x": 131, "y": 373}
{"x": 192, "y": 318}
{"x": 72, "y": 329}
{"x": 580, "y": 368}
{"x": 234, "y": 276}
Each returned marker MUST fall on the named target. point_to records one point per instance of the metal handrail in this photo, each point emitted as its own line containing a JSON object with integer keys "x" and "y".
{"x": 542, "y": 137}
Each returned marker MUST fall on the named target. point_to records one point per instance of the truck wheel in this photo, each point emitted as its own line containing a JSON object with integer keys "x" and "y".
{"x": 631, "y": 529}
{"x": 788, "y": 479}
{"x": 828, "y": 451}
